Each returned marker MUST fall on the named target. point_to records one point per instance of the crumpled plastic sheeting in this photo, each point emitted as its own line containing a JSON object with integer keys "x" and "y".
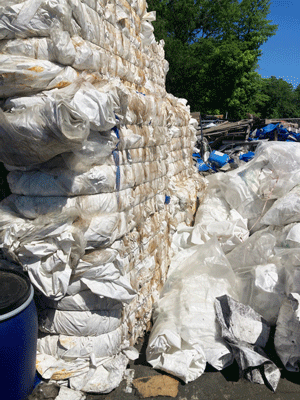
{"x": 34, "y": 18}
{"x": 85, "y": 347}
{"x": 100, "y": 375}
{"x": 246, "y": 332}
{"x": 287, "y": 335}
{"x": 260, "y": 277}
{"x": 266, "y": 268}
{"x": 97, "y": 103}
{"x": 103, "y": 279}
{"x": 285, "y": 210}
{"x": 275, "y": 169}
{"x": 215, "y": 218}
{"x": 41, "y": 132}
{"x": 251, "y": 189}
{"x": 185, "y": 334}
{"x": 263, "y": 288}
{"x": 48, "y": 250}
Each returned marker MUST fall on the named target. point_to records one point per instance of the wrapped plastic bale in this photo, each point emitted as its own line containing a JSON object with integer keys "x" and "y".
{"x": 105, "y": 146}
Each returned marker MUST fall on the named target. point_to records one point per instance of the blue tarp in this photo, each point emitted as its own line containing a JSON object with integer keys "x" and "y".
{"x": 268, "y": 132}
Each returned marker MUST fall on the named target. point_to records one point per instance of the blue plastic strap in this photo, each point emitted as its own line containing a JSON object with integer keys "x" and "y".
{"x": 116, "y": 130}
{"x": 118, "y": 174}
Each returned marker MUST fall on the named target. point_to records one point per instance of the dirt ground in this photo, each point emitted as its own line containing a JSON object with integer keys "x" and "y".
{"x": 212, "y": 385}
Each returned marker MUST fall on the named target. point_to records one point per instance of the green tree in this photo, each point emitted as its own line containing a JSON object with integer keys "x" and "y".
{"x": 213, "y": 48}
{"x": 276, "y": 98}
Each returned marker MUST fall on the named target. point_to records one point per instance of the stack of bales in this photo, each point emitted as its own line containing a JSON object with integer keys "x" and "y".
{"x": 101, "y": 174}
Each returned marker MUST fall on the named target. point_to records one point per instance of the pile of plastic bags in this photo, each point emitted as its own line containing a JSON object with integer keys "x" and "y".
{"x": 243, "y": 251}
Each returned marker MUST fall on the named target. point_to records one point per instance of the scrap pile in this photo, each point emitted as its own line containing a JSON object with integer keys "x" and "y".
{"x": 228, "y": 131}
{"x": 236, "y": 274}
{"x": 228, "y": 145}
{"x": 101, "y": 174}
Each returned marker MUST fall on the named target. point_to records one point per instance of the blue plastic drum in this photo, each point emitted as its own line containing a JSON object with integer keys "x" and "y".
{"x": 18, "y": 335}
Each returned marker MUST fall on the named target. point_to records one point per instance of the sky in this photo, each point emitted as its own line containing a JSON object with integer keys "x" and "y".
{"x": 281, "y": 53}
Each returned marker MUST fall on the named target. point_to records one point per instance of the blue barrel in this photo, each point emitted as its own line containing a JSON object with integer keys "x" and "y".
{"x": 18, "y": 335}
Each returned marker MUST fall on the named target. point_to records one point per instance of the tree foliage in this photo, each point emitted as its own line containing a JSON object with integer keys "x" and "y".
{"x": 213, "y": 48}
{"x": 276, "y": 98}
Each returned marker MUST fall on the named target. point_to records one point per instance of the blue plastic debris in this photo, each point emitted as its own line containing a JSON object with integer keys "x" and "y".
{"x": 202, "y": 167}
{"x": 264, "y": 132}
{"x": 196, "y": 155}
{"x": 218, "y": 159}
{"x": 167, "y": 199}
{"x": 283, "y": 135}
{"x": 247, "y": 156}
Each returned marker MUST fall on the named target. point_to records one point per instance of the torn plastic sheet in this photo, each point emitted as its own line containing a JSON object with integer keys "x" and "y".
{"x": 287, "y": 343}
{"x": 185, "y": 334}
{"x": 246, "y": 332}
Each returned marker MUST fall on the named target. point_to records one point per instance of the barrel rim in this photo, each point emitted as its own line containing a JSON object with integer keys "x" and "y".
{"x": 19, "y": 309}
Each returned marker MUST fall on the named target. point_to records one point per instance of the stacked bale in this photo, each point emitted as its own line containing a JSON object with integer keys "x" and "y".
{"x": 101, "y": 173}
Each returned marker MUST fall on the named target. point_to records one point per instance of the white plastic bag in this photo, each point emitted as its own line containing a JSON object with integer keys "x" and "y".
{"x": 185, "y": 334}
